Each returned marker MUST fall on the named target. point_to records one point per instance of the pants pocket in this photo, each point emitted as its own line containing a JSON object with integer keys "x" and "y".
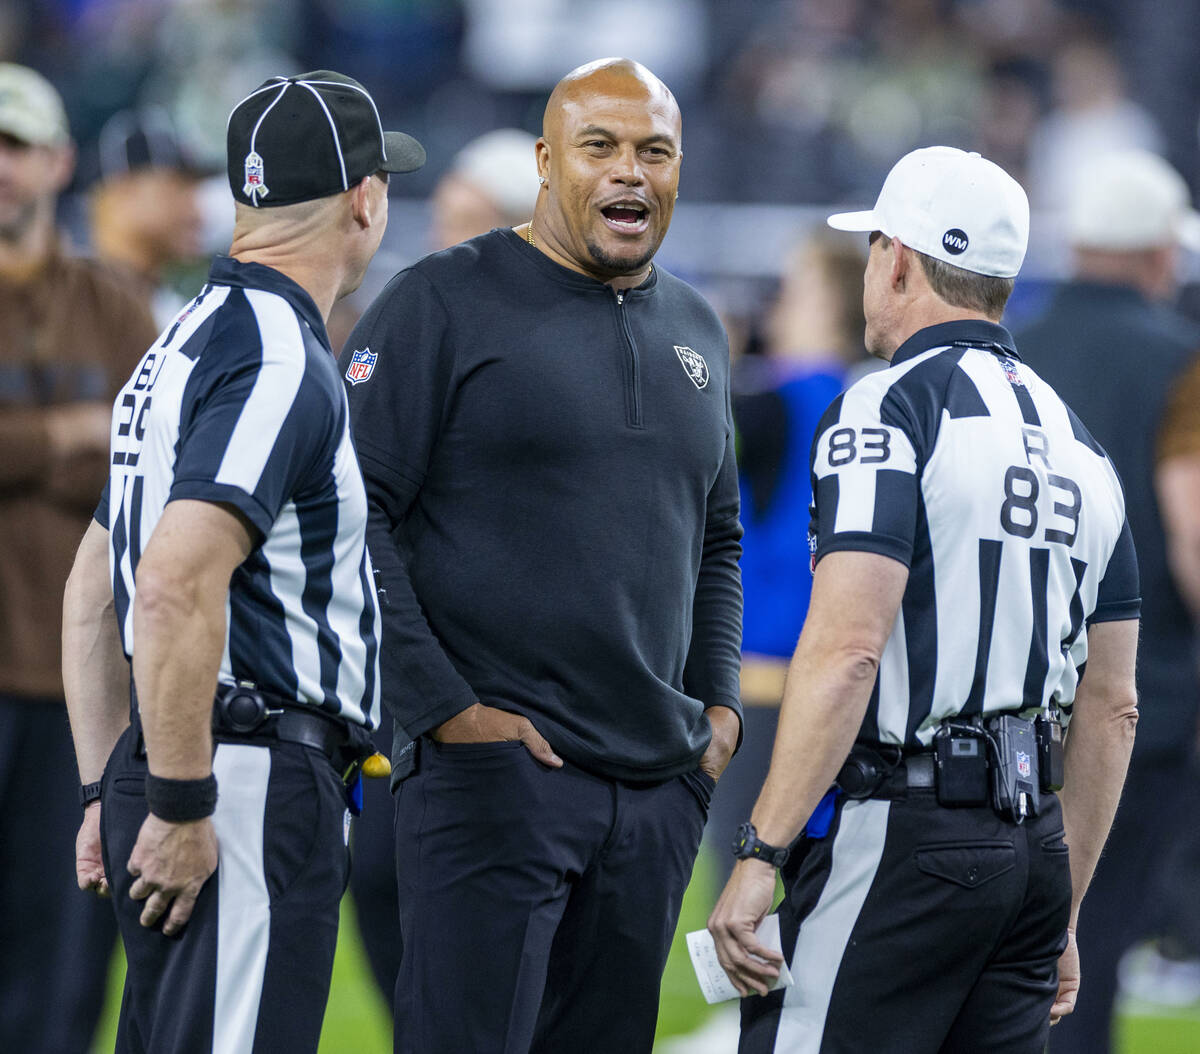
{"x": 967, "y": 864}
{"x": 701, "y": 785}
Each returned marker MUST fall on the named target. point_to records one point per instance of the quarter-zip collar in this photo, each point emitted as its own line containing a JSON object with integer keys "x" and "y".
{"x": 565, "y": 276}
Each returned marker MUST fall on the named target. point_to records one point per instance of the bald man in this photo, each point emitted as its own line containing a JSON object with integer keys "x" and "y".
{"x": 542, "y": 418}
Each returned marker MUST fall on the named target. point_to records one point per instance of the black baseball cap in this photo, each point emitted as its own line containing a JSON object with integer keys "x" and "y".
{"x": 133, "y": 140}
{"x": 299, "y": 138}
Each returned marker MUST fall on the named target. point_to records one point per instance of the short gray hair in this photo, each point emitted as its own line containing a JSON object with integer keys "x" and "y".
{"x": 962, "y": 288}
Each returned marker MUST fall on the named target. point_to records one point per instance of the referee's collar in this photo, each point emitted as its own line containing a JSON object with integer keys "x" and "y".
{"x": 965, "y": 333}
{"x": 226, "y": 270}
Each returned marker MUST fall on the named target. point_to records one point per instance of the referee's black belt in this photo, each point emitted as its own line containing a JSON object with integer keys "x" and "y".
{"x": 244, "y": 713}
{"x": 886, "y": 773}
{"x": 247, "y": 714}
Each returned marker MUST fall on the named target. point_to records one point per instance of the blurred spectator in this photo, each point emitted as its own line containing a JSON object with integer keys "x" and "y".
{"x": 813, "y": 338}
{"x": 72, "y": 333}
{"x": 1128, "y": 366}
{"x": 492, "y": 182}
{"x": 145, "y": 216}
{"x": 1092, "y": 115}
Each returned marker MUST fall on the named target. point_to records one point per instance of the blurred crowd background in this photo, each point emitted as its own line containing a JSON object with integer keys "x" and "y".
{"x": 789, "y": 105}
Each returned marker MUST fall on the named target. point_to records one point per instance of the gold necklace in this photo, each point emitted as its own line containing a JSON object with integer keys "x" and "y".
{"x": 529, "y": 238}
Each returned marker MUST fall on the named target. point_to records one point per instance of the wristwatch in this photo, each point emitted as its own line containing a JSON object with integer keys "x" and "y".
{"x": 748, "y": 846}
{"x": 89, "y": 792}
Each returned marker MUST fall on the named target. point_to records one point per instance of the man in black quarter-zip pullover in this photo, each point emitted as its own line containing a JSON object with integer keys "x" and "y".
{"x": 542, "y": 418}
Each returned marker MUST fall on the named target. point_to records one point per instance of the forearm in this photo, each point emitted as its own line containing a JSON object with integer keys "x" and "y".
{"x": 1098, "y": 747}
{"x": 178, "y": 641}
{"x": 95, "y": 673}
{"x": 824, "y": 700}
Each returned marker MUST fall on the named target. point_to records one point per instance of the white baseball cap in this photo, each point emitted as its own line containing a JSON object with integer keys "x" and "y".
{"x": 954, "y": 206}
{"x": 1128, "y": 200}
{"x": 30, "y": 109}
{"x": 503, "y": 166}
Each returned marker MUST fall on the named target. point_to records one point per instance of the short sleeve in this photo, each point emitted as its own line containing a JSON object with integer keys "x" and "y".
{"x": 865, "y": 480}
{"x": 1119, "y": 596}
{"x": 101, "y": 513}
{"x": 258, "y": 428}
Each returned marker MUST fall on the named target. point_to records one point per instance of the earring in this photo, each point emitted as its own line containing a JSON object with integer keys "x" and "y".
{"x": 542, "y": 180}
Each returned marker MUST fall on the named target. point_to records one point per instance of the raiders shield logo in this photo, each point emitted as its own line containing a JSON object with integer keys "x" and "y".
{"x": 694, "y": 365}
{"x": 362, "y": 365}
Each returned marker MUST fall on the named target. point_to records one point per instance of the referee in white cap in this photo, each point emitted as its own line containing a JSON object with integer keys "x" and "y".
{"x": 971, "y": 555}
{"x": 242, "y": 594}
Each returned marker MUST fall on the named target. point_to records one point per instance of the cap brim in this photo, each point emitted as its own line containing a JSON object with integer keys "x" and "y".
{"x": 854, "y": 221}
{"x": 404, "y": 153}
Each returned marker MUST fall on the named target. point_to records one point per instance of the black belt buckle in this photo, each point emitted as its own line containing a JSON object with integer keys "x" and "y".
{"x": 1015, "y": 782}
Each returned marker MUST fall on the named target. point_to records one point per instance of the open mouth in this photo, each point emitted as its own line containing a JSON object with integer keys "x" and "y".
{"x": 627, "y": 217}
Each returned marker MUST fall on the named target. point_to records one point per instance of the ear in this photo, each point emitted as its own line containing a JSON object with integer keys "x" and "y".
{"x": 360, "y": 202}
{"x": 901, "y": 262}
{"x": 542, "y": 157}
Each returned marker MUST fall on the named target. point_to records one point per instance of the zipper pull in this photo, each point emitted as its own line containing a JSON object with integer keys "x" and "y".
{"x": 620, "y": 299}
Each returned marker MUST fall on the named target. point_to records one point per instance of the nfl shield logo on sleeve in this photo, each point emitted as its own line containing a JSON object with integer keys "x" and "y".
{"x": 362, "y": 365}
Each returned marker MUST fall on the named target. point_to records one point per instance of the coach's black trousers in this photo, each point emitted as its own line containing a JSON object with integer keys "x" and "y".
{"x": 250, "y": 972}
{"x": 537, "y": 905}
{"x": 916, "y": 929}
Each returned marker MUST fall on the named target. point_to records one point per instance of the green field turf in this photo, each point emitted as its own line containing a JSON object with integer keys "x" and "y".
{"x": 357, "y": 1022}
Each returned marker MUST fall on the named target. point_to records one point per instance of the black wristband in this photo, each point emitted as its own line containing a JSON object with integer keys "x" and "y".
{"x": 181, "y": 801}
{"x": 89, "y": 792}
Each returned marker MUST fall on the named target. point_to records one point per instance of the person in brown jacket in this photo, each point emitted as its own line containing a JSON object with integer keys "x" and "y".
{"x": 70, "y": 333}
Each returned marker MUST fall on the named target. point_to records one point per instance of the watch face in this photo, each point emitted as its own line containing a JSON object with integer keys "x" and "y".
{"x": 745, "y": 836}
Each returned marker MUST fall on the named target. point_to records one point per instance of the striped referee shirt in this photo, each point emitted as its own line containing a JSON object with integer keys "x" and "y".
{"x": 239, "y": 402}
{"x": 963, "y": 464}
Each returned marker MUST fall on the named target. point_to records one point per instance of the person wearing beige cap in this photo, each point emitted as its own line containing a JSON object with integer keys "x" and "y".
{"x": 492, "y": 182}
{"x": 1111, "y": 343}
{"x": 970, "y": 554}
{"x": 72, "y": 330}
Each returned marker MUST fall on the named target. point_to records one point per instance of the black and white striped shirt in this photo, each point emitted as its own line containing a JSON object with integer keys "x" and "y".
{"x": 239, "y": 401}
{"x": 962, "y": 463}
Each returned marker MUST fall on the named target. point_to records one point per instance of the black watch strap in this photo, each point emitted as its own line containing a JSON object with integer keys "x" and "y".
{"x": 89, "y": 792}
{"x": 748, "y": 846}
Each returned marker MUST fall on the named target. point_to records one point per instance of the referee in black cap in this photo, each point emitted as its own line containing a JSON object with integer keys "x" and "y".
{"x": 242, "y": 594}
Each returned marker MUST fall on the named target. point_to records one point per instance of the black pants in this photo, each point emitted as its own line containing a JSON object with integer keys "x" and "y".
{"x": 537, "y": 905}
{"x": 250, "y": 971}
{"x": 1136, "y": 879}
{"x": 55, "y": 940}
{"x": 915, "y": 929}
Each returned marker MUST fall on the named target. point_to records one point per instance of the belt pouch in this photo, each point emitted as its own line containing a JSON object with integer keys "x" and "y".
{"x": 960, "y": 756}
{"x": 1051, "y": 763}
{"x": 1014, "y": 770}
